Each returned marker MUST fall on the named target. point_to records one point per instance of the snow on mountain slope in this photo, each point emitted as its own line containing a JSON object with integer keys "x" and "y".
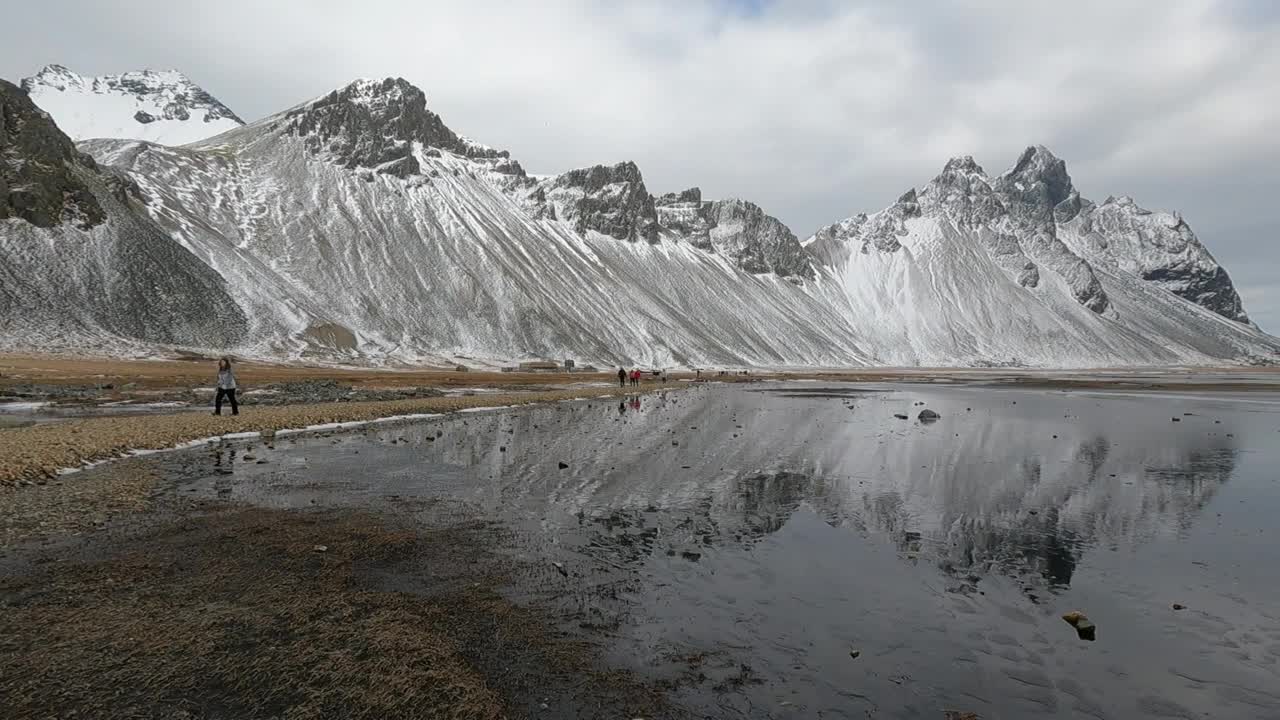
{"x": 1156, "y": 246}
{"x": 82, "y": 264}
{"x": 390, "y": 233}
{"x": 359, "y": 226}
{"x": 158, "y": 106}
{"x": 976, "y": 270}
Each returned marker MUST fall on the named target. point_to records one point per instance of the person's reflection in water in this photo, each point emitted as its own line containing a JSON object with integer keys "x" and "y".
{"x": 635, "y": 403}
{"x": 622, "y": 407}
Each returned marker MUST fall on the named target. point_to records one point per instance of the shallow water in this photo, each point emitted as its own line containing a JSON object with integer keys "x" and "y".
{"x": 743, "y": 542}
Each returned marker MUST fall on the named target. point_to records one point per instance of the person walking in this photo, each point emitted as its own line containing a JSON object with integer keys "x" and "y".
{"x": 226, "y": 388}
{"x": 635, "y": 377}
{"x": 622, "y": 377}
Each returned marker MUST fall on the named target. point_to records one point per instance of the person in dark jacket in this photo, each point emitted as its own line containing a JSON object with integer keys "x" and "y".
{"x": 226, "y": 388}
{"x": 622, "y": 377}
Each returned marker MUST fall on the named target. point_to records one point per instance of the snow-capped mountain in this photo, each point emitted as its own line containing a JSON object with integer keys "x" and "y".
{"x": 360, "y": 226}
{"x": 158, "y": 106}
{"x": 82, "y": 263}
{"x": 1019, "y": 269}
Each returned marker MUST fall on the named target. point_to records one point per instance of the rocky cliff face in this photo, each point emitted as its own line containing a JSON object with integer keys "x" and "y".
{"x": 40, "y": 169}
{"x": 375, "y": 124}
{"x": 739, "y": 230}
{"x": 159, "y": 106}
{"x": 612, "y": 201}
{"x": 1031, "y": 192}
{"x": 1159, "y": 247}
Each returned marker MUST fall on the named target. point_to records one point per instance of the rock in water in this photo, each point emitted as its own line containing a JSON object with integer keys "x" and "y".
{"x": 928, "y": 415}
{"x": 1084, "y": 627}
{"x": 900, "y": 416}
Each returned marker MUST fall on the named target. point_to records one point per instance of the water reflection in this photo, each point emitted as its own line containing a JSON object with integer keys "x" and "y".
{"x": 777, "y": 528}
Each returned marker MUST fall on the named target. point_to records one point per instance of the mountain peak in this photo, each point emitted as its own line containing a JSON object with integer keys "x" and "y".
{"x": 374, "y": 124}
{"x": 964, "y": 164}
{"x": 162, "y": 106}
{"x": 1038, "y": 166}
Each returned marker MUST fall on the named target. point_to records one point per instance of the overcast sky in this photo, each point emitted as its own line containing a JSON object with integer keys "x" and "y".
{"x": 814, "y": 110}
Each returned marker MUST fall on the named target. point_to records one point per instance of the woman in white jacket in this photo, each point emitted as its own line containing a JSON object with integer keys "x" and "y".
{"x": 226, "y": 387}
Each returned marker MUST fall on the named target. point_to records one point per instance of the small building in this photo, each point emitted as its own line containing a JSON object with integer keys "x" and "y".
{"x": 568, "y": 365}
{"x": 539, "y": 366}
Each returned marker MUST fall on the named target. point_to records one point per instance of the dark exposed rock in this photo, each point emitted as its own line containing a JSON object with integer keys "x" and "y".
{"x": 927, "y": 415}
{"x": 374, "y": 124}
{"x": 1084, "y": 627}
{"x": 612, "y": 201}
{"x": 685, "y": 214}
{"x": 1036, "y": 185}
{"x": 40, "y": 166}
{"x": 692, "y": 195}
{"x": 1163, "y": 250}
{"x": 755, "y": 241}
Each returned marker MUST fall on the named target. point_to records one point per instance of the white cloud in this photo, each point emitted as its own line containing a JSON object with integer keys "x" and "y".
{"x": 815, "y": 110}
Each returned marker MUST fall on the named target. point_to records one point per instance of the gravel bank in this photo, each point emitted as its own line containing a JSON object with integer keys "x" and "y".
{"x": 29, "y": 455}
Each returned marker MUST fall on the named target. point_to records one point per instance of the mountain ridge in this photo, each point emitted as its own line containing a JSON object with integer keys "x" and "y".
{"x": 358, "y": 225}
{"x": 162, "y": 106}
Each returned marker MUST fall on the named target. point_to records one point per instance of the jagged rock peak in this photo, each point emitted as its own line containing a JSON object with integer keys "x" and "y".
{"x": 39, "y": 166}
{"x": 611, "y": 200}
{"x": 756, "y": 241}
{"x": 1039, "y": 171}
{"x": 55, "y": 76}
{"x": 374, "y": 124}
{"x": 692, "y": 195}
{"x": 965, "y": 165}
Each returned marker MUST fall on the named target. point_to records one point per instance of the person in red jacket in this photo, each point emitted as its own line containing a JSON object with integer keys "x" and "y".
{"x": 635, "y": 377}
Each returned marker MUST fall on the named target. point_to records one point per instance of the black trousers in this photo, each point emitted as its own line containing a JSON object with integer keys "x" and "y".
{"x": 230, "y": 395}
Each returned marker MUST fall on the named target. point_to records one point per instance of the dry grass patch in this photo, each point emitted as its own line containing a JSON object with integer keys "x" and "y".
{"x": 236, "y": 614}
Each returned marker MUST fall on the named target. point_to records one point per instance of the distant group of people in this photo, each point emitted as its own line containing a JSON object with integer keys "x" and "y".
{"x": 624, "y": 377}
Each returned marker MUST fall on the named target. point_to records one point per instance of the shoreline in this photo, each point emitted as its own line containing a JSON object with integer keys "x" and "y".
{"x": 33, "y": 455}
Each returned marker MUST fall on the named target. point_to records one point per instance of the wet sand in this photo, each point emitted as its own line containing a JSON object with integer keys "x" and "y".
{"x": 784, "y": 551}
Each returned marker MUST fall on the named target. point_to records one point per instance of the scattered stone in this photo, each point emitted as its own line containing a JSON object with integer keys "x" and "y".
{"x": 691, "y": 556}
{"x": 564, "y": 465}
{"x": 1177, "y": 419}
{"x": 900, "y": 416}
{"x": 855, "y": 653}
{"x": 927, "y": 415}
{"x": 560, "y": 568}
{"x": 1179, "y": 606}
{"x": 958, "y": 715}
{"x": 502, "y": 448}
{"x": 321, "y": 548}
{"x": 1084, "y": 627}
